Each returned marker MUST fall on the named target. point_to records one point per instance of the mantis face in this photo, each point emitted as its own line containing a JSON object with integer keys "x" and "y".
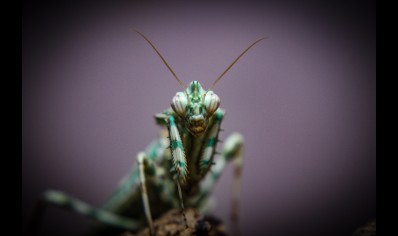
{"x": 195, "y": 106}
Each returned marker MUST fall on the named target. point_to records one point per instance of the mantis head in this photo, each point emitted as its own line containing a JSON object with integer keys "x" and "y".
{"x": 195, "y": 106}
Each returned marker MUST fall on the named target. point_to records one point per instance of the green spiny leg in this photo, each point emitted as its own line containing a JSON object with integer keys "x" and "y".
{"x": 232, "y": 151}
{"x": 61, "y": 199}
{"x": 179, "y": 161}
{"x": 210, "y": 143}
{"x": 152, "y": 174}
{"x": 156, "y": 153}
{"x": 146, "y": 167}
{"x": 208, "y": 152}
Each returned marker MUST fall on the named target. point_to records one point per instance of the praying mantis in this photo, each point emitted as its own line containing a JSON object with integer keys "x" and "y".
{"x": 177, "y": 170}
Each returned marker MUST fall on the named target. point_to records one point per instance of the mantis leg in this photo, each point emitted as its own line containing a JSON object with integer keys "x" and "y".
{"x": 151, "y": 175}
{"x": 145, "y": 164}
{"x": 57, "y": 198}
{"x": 232, "y": 151}
{"x": 179, "y": 161}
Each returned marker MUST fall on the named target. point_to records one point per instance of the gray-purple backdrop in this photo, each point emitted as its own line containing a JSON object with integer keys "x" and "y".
{"x": 304, "y": 100}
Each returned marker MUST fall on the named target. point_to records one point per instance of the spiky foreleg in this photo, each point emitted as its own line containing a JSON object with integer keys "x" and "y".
{"x": 210, "y": 143}
{"x": 232, "y": 151}
{"x": 179, "y": 161}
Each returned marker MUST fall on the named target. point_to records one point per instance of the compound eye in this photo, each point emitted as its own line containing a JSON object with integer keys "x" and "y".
{"x": 179, "y": 103}
{"x": 212, "y": 102}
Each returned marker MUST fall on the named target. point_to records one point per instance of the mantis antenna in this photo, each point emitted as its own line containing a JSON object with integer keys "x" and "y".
{"x": 233, "y": 63}
{"x": 161, "y": 57}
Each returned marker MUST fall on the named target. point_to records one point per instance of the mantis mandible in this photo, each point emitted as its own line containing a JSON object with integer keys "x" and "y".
{"x": 177, "y": 170}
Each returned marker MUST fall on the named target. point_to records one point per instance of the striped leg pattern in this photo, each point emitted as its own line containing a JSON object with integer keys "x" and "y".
{"x": 61, "y": 199}
{"x": 232, "y": 151}
{"x": 209, "y": 149}
{"x": 179, "y": 160}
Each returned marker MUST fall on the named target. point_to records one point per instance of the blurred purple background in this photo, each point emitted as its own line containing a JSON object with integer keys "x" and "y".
{"x": 304, "y": 99}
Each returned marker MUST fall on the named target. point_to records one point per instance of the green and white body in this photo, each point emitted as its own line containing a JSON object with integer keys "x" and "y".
{"x": 178, "y": 169}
